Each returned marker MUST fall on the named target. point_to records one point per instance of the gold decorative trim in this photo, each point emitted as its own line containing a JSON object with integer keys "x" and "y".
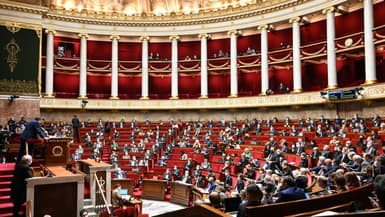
{"x": 233, "y": 32}
{"x": 13, "y": 28}
{"x": 144, "y": 38}
{"x": 82, "y": 97}
{"x": 174, "y": 37}
{"x": 144, "y": 98}
{"x": 203, "y": 97}
{"x": 370, "y": 82}
{"x": 263, "y": 27}
{"x": 329, "y": 10}
{"x": 50, "y": 31}
{"x": 114, "y": 19}
{"x": 332, "y": 86}
{"x": 233, "y": 95}
{"x": 114, "y": 37}
{"x": 81, "y": 35}
{"x": 174, "y": 97}
{"x": 12, "y": 49}
{"x": 297, "y": 90}
{"x": 49, "y": 95}
{"x": 203, "y": 35}
{"x": 295, "y": 20}
{"x": 114, "y": 97}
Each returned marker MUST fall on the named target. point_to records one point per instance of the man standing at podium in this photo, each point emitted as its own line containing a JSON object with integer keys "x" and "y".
{"x": 30, "y": 135}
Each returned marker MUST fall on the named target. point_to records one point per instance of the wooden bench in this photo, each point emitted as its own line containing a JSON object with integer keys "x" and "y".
{"x": 358, "y": 195}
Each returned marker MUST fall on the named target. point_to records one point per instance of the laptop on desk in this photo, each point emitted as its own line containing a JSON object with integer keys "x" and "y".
{"x": 123, "y": 192}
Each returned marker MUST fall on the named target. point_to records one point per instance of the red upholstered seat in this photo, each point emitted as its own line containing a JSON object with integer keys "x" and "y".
{"x": 104, "y": 213}
{"x": 130, "y": 211}
{"x": 120, "y": 212}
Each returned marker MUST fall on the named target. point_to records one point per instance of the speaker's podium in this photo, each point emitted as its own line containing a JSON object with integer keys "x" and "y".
{"x": 153, "y": 189}
{"x": 181, "y": 193}
{"x": 57, "y": 151}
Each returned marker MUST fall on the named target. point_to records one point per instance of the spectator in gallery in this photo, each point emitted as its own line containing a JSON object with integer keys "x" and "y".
{"x": 269, "y": 92}
{"x": 282, "y": 88}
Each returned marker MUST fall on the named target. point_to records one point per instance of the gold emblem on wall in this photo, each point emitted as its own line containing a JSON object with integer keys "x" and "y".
{"x": 13, "y": 49}
{"x": 57, "y": 151}
{"x": 13, "y": 28}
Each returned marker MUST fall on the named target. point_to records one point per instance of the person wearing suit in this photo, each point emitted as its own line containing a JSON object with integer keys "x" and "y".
{"x": 228, "y": 180}
{"x": 186, "y": 178}
{"x": 19, "y": 183}
{"x": 31, "y": 132}
{"x": 75, "y": 128}
{"x": 253, "y": 198}
{"x": 290, "y": 191}
{"x": 211, "y": 185}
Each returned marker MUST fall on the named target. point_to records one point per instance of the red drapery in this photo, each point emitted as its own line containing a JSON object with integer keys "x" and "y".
{"x": 99, "y": 85}
{"x": 99, "y": 50}
{"x": 214, "y": 46}
{"x": 219, "y": 84}
{"x": 189, "y": 85}
{"x": 250, "y": 41}
{"x": 189, "y": 48}
{"x": 160, "y": 86}
{"x": 249, "y": 82}
{"x": 130, "y": 51}
{"x": 130, "y": 86}
{"x": 66, "y": 84}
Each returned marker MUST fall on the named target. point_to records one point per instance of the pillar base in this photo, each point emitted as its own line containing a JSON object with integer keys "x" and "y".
{"x": 82, "y": 97}
{"x": 174, "y": 97}
{"x": 331, "y": 87}
{"x": 369, "y": 82}
{"x": 299, "y": 90}
{"x": 203, "y": 97}
{"x": 114, "y": 97}
{"x": 144, "y": 97}
{"x": 233, "y": 95}
{"x": 49, "y": 95}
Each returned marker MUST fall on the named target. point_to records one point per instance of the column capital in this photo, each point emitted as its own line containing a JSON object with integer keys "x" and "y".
{"x": 144, "y": 38}
{"x": 295, "y": 19}
{"x": 329, "y": 10}
{"x": 114, "y": 37}
{"x": 50, "y": 31}
{"x": 203, "y": 35}
{"x": 81, "y": 35}
{"x": 263, "y": 27}
{"x": 233, "y": 32}
{"x": 174, "y": 37}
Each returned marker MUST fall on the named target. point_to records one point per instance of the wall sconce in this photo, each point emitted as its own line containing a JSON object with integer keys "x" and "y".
{"x": 12, "y": 97}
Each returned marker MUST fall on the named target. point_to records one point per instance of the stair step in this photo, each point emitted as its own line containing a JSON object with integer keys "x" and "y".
{"x": 6, "y": 208}
{"x": 6, "y": 215}
{"x": 5, "y": 199}
{"x": 5, "y": 184}
{"x": 6, "y": 177}
{"x": 5, "y": 191}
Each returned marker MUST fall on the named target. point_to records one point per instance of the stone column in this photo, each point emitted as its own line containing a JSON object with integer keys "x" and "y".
{"x": 174, "y": 66}
{"x": 114, "y": 67}
{"x": 49, "y": 73}
{"x": 297, "y": 70}
{"x": 331, "y": 50}
{"x": 204, "y": 74}
{"x": 233, "y": 63}
{"x": 264, "y": 59}
{"x": 370, "y": 53}
{"x": 83, "y": 66}
{"x": 145, "y": 40}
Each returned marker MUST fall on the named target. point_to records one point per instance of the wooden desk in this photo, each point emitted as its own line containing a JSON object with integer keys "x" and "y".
{"x": 153, "y": 189}
{"x": 199, "y": 194}
{"x": 102, "y": 171}
{"x": 60, "y": 195}
{"x": 181, "y": 193}
{"x": 125, "y": 183}
{"x": 134, "y": 201}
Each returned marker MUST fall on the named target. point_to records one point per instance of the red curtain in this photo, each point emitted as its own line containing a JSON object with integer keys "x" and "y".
{"x": 249, "y": 82}
{"x": 378, "y": 12}
{"x": 214, "y": 46}
{"x": 160, "y": 86}
{"x": 250, "y": 41}
{"x": 350, "y": 71}
{"x": 189, "y": 85}
{"x": 349, "y": 23}
{"x": 99, "y": 50}
{"x": 314, "y": 76}
{"x": 189, "y": 48}
{"x": 130, "y": 86}
{"x": 66, "y": 84}
{"x": 130, "y": 51}
{"x": 276, "y": 37}
{"x": 99, "y": 85}
{"x": 279, "y": 74}
{"x": 163, "y": 49}
{"x": 219, "y": 84}
{"x": 313, "y": 32}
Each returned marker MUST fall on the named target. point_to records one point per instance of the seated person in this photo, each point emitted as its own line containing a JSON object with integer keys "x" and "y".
{"x": 379, "y": 189}
{"x": 290, "y": 191}
{"x": 253, "y": 198}
{"x": 117, "y": 199}
{"x": 211, "y": 185}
